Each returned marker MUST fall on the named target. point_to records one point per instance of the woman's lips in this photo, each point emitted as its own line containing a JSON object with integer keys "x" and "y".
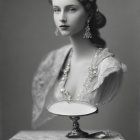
{"x": 64, "y": 27}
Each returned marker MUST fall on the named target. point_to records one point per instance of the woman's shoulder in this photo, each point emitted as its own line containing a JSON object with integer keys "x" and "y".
{"x": 54, "y": 58}
{"x": 108, "y": 61}
{"x": 56, "y": 54}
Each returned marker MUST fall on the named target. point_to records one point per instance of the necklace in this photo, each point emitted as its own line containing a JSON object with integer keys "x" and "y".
{"x": 92, "y": 72}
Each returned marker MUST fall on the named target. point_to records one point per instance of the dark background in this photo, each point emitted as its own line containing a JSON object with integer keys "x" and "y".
{"x": 27, "y": 34}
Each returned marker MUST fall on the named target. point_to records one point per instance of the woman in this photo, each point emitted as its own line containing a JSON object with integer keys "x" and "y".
{"x": 82, "y": 71}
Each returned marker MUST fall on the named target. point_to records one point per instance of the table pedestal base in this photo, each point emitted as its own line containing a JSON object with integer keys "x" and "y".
{"x": 76, "y": 131}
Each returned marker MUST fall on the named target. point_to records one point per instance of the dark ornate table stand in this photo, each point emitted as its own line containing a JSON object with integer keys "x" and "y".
{"x": 76, "y": 131}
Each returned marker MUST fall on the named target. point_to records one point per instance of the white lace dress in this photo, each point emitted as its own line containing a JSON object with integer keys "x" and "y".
{"x": 98, "y": 90}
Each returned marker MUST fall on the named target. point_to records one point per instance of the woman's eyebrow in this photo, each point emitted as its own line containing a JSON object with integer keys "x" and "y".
{"x": 55, "y": 6}
{"x": 66, "y": 5}
{"x": 71, "y": 5}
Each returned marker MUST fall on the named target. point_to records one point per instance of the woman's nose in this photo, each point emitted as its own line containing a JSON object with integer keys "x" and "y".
{"x": 63, "y": 17}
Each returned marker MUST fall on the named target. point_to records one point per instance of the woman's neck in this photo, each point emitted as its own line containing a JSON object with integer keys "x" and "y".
{"x": 82, "y": 47}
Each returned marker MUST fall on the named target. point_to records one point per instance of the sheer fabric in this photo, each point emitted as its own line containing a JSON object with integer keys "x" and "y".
{"x": 98, "y": 91}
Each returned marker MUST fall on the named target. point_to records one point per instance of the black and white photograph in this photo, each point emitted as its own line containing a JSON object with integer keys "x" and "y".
{"x": 69, "y": 69}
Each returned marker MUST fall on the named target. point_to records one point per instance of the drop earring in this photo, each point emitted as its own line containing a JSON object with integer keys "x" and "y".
{"x": 87, "y": 33}
{"x": 56, "y": 31}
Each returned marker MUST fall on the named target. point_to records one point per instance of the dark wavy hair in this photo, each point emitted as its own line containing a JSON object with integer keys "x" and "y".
{"x": 97, "y": 21}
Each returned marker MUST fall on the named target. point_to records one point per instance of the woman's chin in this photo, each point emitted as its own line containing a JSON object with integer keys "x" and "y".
{"x": 65, "y": 32}
{"x": 68, "y": 33}
{"x": 65, "y": 35}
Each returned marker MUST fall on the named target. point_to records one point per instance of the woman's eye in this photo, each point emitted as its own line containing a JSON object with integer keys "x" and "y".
{"x": 56, "y": 10}
{"x": 72, "y": 9}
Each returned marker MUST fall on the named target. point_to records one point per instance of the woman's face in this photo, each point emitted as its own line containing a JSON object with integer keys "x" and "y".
{"x": 69, "y": 16}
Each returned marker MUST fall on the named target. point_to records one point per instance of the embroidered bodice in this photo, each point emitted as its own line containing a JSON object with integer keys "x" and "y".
{"x": 100, "y": 87}
{"x": 85, "y": 93}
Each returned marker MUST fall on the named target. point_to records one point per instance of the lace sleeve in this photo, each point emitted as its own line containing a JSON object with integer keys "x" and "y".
{"x": 43, "y": 85}
{"x": 109, "y": 79}
{"x": 41, "y": 78}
